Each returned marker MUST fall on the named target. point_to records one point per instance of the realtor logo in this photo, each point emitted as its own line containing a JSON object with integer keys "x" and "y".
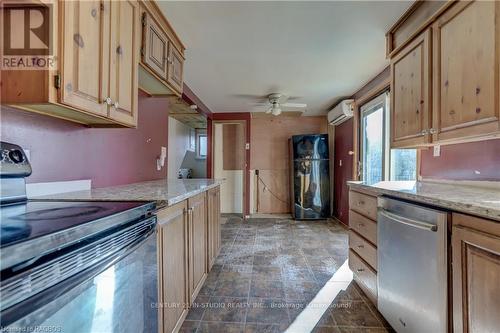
{"x": 26, "y": 36}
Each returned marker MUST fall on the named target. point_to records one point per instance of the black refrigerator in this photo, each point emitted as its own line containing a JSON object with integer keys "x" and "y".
{"x": 310, "y": 176}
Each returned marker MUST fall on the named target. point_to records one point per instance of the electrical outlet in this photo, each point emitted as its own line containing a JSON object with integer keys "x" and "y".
{"x": 437, "y": 151}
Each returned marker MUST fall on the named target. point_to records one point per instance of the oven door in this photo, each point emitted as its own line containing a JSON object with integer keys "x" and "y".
{"x": 119, "y": 295}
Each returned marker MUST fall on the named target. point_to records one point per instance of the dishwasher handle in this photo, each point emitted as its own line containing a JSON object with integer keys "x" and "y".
{"x": 407, "y": 221}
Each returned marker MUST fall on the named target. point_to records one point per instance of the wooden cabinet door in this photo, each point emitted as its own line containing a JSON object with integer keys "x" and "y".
{"x": 85, "y": 55}
{"x": 411, "y": 93}
{"x": 197, "y": 245}
{"x": 173, "y": 244}
{"x": 213, "y": 202}
{"x": 476, "y": 276}
{"x": 175, "y": 68}
{"x": 124, "y": 61}
{"x": 466, "y": 71}
{"x": 154, "y": 46}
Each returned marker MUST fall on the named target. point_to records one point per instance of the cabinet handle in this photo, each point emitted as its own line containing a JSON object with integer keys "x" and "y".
{"x": 433, "y": 131}
{"x": 361, "y": 246}
{"x": 361, "y": 225}
{"x": 424, "y": 132}
{"x": 361, "y": 202}
{"x": 108, "y": 101}
{"x": 360, "y": 269}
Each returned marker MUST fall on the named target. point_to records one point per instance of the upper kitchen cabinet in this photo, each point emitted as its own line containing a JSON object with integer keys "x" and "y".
{"x": 466, "y": 71}
{"x": 85, "y": 41}
{"x": 411, "y": 93}
{"x": 124, "y": 61}
{"x": 445, "y": 73}
{"x": 93, "y": 78}
{"x": 161, "y": 68}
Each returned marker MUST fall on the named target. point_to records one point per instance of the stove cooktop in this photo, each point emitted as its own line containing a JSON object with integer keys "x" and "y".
{"x": 25, "y": 221}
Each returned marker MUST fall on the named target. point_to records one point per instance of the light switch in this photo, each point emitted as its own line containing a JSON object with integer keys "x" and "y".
{"x": 437, "y": 151}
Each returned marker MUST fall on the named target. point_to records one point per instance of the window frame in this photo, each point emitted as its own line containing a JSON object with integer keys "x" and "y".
{"x": 200, "y": 134}
{"x": 366, "y": 109}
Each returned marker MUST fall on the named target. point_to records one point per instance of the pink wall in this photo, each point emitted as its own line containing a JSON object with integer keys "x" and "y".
{"x": 466, "y": 161}
{"x": 61, "y": 150}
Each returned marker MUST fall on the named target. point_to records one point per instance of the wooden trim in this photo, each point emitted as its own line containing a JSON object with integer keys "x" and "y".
{"x": 390, "y": 50}
{"x": 378, "y": 89}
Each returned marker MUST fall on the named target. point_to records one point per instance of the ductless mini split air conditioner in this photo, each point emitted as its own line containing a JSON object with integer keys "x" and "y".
{"x": 343, "y": 111}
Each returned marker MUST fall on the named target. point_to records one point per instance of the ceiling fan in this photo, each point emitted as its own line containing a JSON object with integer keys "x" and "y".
{"x": 276, "y": 103}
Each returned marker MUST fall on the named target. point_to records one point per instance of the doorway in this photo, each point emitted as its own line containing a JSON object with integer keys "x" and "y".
{"x": 229, "y": 164}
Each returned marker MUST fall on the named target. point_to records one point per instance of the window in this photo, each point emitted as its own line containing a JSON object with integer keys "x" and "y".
{"x": 201, "y": 145}
{"x": 192, "y": 139}
{"x": 378, "y": 161}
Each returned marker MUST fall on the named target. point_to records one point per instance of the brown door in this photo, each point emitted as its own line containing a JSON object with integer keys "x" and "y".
{"x": 175, "y": 68}
{"x": 154, "y": 47}
{"x": 476, "y": 276}
{"x": 411, "y": 93}
{"x": 342, "y": 170}
{"x": 173, "y": 244}
{"x": 197, "y": 245}
{"x": 124, "y": 59}
{"x": 466, "y": 71}
{"x": 85, "y": 55}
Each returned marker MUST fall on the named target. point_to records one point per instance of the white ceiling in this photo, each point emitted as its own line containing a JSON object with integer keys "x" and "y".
{"x": 320, "y": 51}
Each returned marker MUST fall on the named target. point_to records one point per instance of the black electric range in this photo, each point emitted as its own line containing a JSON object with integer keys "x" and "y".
{"x": 31, "y": 228}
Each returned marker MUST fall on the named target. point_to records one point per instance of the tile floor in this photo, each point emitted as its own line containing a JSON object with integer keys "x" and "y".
{"x": 269, "y": 270}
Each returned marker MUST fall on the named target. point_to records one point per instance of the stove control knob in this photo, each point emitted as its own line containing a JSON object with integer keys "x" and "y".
{"x": 16, "y": 156}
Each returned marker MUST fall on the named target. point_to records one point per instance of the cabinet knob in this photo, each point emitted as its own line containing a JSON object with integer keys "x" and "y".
{"x": 119, "y": 50}
{"x": 361, "y": 225}
{"x": 361, "y": 246}
{"x": 433, "y": 131}
{"x": 360, "y": 269}
{"x": 424, "y": 132}
{"x": 116, "y": 105}
{"x": 108, "y": 101}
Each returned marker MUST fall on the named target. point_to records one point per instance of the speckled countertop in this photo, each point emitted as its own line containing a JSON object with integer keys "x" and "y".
{"x": 165, "y": 192}
{"x": 473, "y": 200}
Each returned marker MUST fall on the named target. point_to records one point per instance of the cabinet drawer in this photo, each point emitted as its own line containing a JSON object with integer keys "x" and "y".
{"x": 363, "y": 204}
{"x": 363, "y": 226}
{"x": 363, "y": 248}
{"x": 364, "y": 276}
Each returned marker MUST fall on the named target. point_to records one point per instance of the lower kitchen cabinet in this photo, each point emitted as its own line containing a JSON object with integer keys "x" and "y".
{"x": 173, "y": 266}
{"x": 197, "y": 222}
{"x": 476, "y": 274}
{"x": 213, "y": 225}
{"x": 188, "y": 234}
{"x": 363, "y": 241}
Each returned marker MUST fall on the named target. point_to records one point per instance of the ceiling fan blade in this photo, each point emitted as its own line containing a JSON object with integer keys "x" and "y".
{"x": 294, "y": 105}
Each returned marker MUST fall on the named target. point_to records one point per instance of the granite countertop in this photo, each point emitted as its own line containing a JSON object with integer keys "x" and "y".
{"x": 165, "y": 192}
{"x": 473, "y": 200}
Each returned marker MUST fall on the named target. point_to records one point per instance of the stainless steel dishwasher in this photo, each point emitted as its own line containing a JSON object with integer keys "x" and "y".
{"x": 412, "y": 266}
